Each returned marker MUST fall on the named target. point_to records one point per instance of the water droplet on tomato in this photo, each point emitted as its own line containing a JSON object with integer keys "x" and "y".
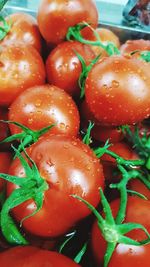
{"x": 62, "y": 126}
{"x": 39, "y": 156}
{"x": 30, "y": 120}
{"x": 115, "y": 83}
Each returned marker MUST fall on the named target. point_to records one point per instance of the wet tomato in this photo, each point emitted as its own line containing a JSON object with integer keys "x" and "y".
{"x": 58, "y": 15}
{"x": 41, "y": 106}
{"x": 20, "y": 67}
{"x": 28, "y": 256}
{"x": 24, "y": 30}
{"x": 117, "y": 90}
{"x": 64, "y": 68}
{"x": 69, "y": 167}
{"x": 137, "y": 212}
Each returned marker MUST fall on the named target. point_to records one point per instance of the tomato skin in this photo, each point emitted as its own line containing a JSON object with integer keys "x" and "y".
{"x": 20, "y": 67}
{"x": 117, "y": 90}
{"x": 134, "y": 45}
{"x": 41, "y": 106}
{"x": 69, "y": 167}
{"x": 5, "y": 161}
{"x": 129, "y": 255}
{"x": 28, "y": 256}
{"x": 59, "y": 15}
{"x": 24, "y": 30}
{"x": 137, "y": 212}
{"x": 63, "y": 66}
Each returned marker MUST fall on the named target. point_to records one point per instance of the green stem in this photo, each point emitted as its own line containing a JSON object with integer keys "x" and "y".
{"x": 75, "y": 33}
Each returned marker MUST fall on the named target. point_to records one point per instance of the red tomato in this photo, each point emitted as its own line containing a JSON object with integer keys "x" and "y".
{"x": 28, "y": 256}
{"x": 5, "y": 161}
{"x": 134, "y": 45}
{"x": 56, "y": 16}
{"x": 41, "y": 106}
{"x": 69, "y": 167}
{"x": 137, "y": 212}
{"x": 24, "y": 30}
{"x": 106, "y": 36}
{"x": 20, "y": 67}
{"x": 64, "y": 68}
{"x": 117, "y": 90}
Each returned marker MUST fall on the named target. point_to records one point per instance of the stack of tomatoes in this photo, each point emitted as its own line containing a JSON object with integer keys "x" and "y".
{"x": 48, "y": 168}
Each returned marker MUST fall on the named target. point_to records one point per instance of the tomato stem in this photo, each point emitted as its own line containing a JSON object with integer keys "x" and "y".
{"x": 75, "y": 34}
{"x": 27, "y": 136}
{"x": 4, "y": 30}
{"x": 32, "y": 186}
{"x": 112, "y": 231}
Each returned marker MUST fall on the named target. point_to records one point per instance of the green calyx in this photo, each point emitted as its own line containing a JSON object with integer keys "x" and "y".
{"x": 30, "y": 187}
{"x": 74, "y": 33}
{"x": 27, "y": 136}
{"x": 114, "y": 230}
{"x": 145, "y": 55}
{"x": 87, "y": 136}
{"x": 5, "y": 28}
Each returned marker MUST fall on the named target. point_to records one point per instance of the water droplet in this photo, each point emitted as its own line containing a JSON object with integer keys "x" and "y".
{"x": 62, "y": 126}
{"x": 115, "y": 83}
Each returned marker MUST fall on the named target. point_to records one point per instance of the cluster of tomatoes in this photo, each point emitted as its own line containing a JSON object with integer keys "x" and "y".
{"x": 74, "y": 141}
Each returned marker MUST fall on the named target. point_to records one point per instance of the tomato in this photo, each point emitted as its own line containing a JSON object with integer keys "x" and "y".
{"x": 117, "y": 90}
{"x": 20, "y": 67}
{"x": 129, "y": 255}
{"x": 106, "y": 36}
{"x": 28, "y": 256}
{"x": 41, "y": 106}
{"x": 137, "y": 212}
{"x": 24, "y": 30}
{"x": 69, "y": 167}
{"x": 64, "y": 68}
{"x": 58, "y": 15}
{"x": 135, "y": 45}
{"x": 5, "y": 161}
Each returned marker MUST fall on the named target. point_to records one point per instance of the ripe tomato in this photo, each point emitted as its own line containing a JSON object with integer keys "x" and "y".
{"x": 5, "y": 161}
{"x": 106, "y": 36}
{"x": 69, "y": 167}
{"x": 134, "y": 45}
{"x": 20, "y": 67}
{"x": 24, "y": 30}
{"x": 41, "y": 106}
{"x": 58, "y": 15}
{"x": 137, "y": 212}
{"x": 28, "y": 256}
{"x": 117, "y": 90}
{"x": 64, "y": 68}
